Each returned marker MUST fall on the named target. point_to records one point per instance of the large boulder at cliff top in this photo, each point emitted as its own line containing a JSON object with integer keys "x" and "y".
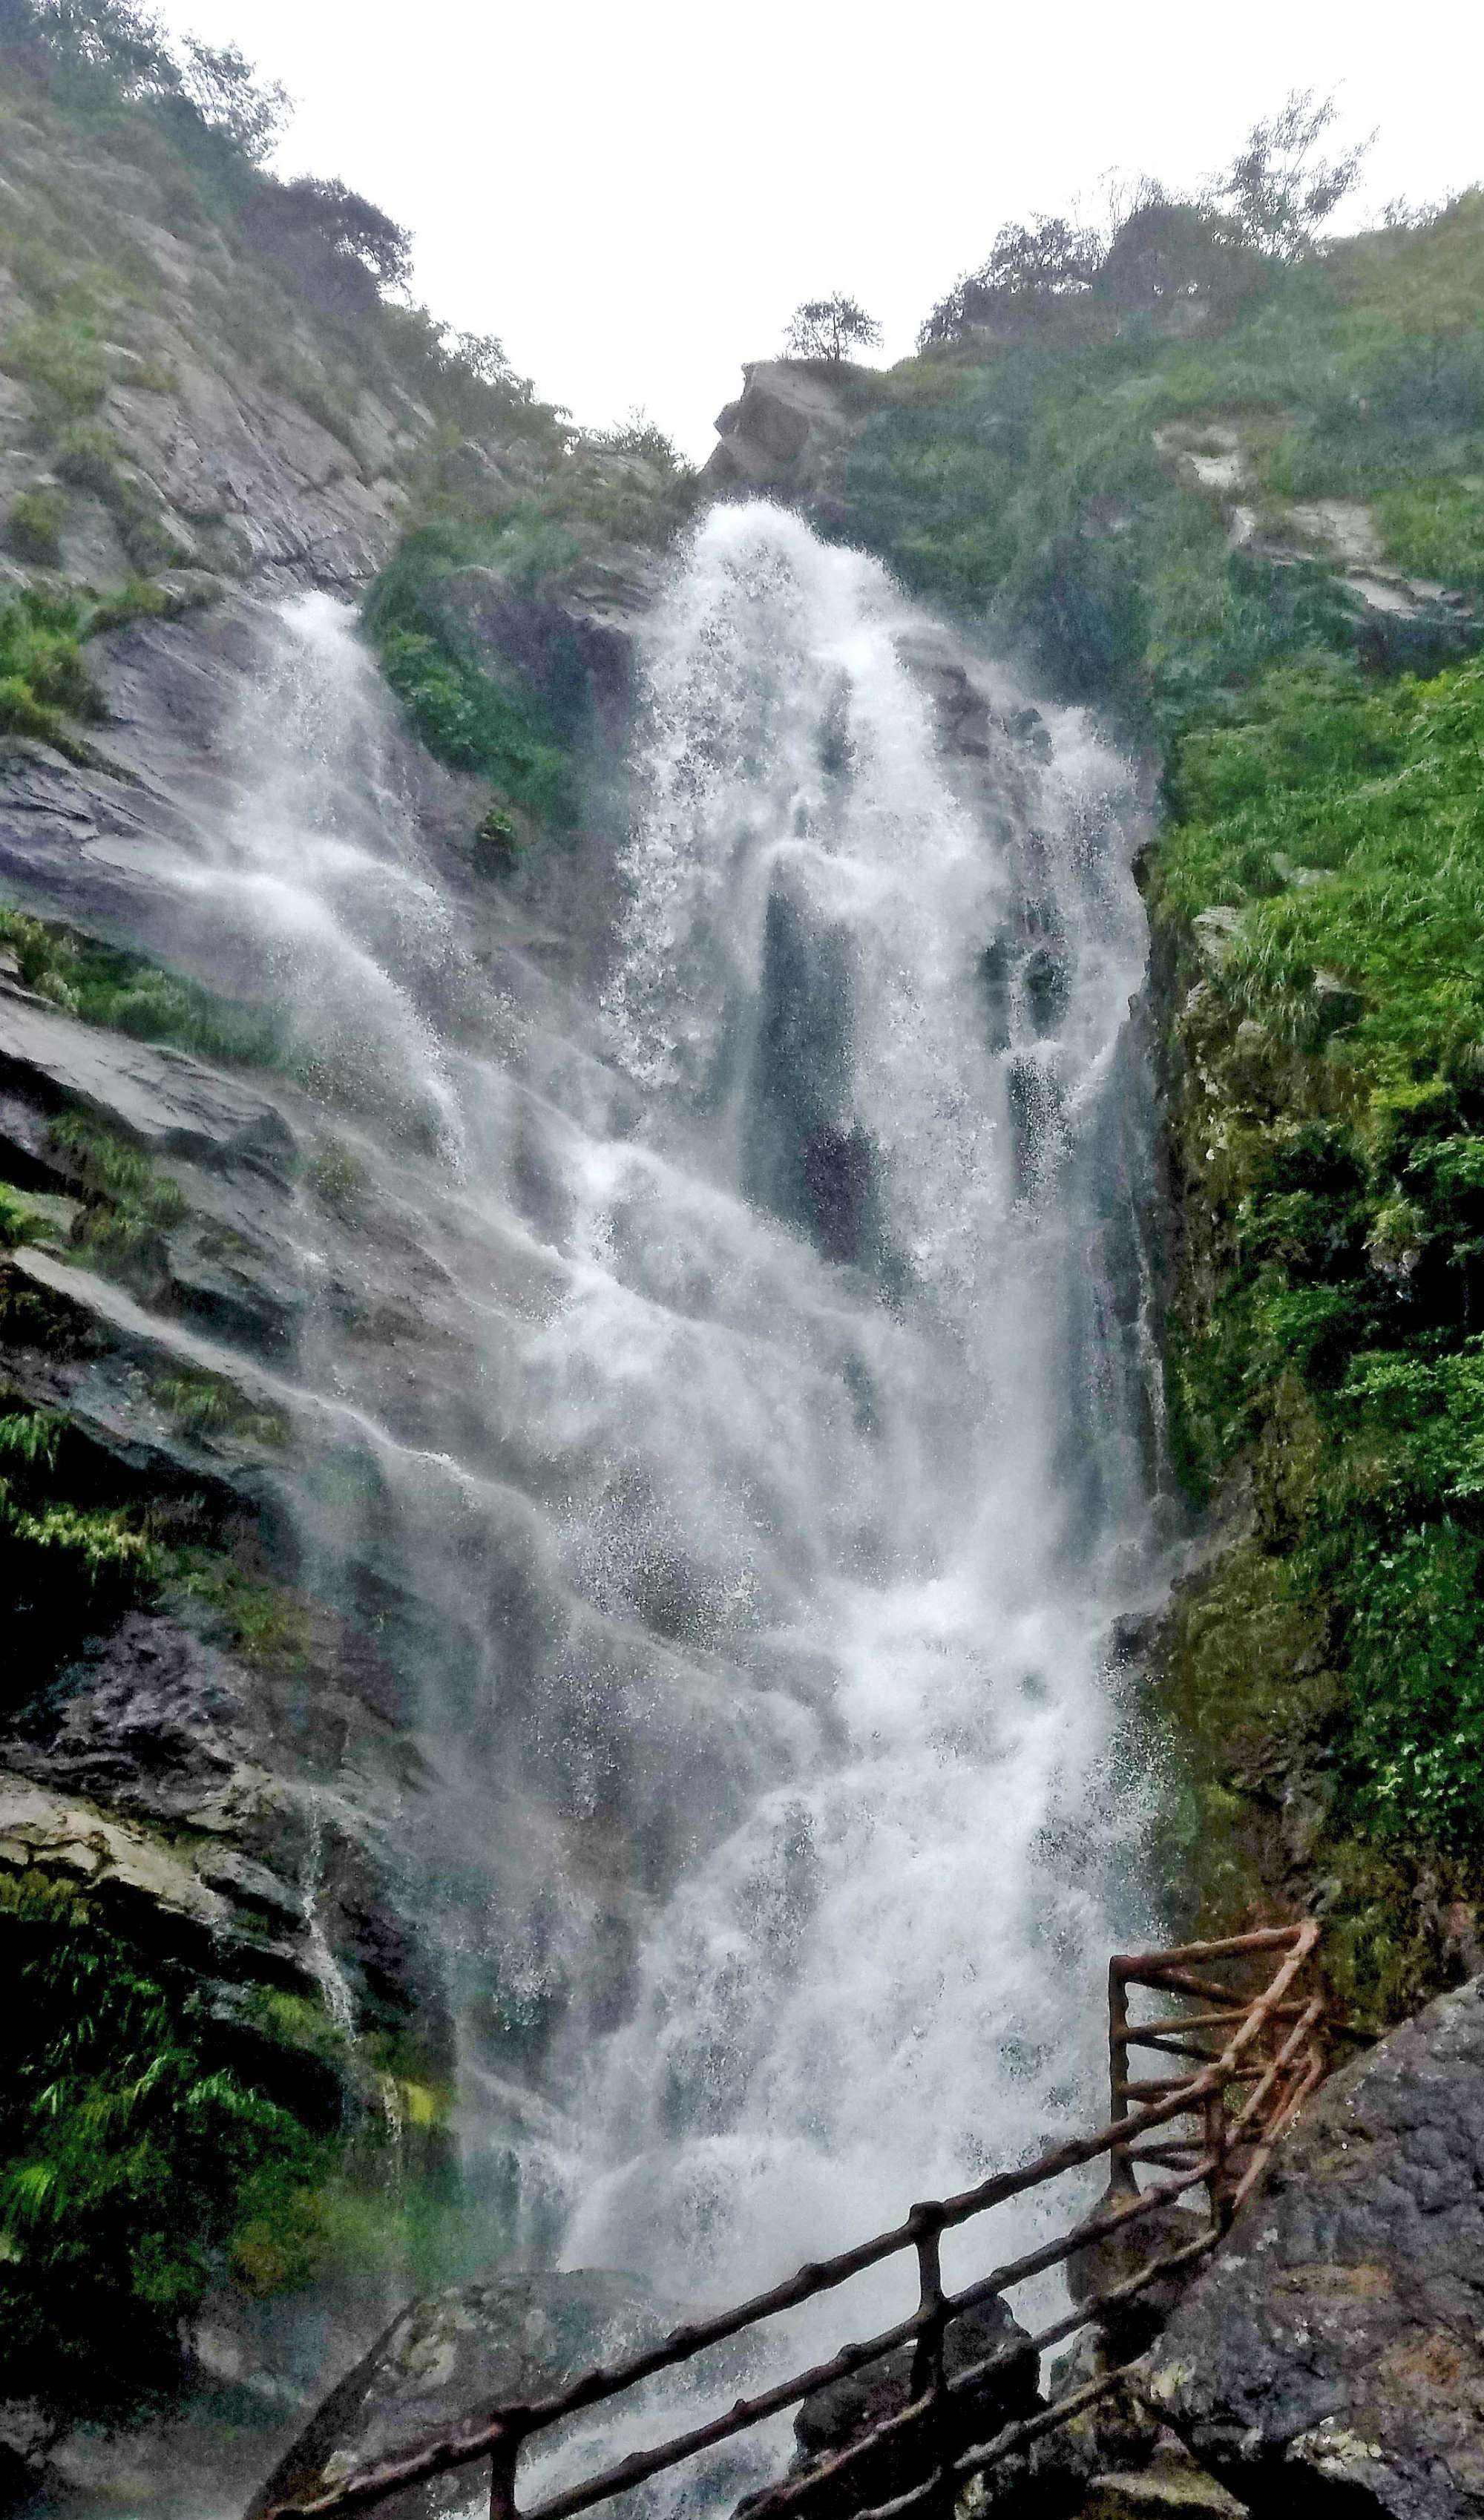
{"x": 1332, "y": 2358}
{"x": 449, "y": 2359}
{"x": 791, "y": 416}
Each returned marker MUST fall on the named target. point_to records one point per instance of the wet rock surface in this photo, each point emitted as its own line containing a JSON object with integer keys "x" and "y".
{"x": 166, "y": 1102}
{"x": 977, "y": 2407}
{"x": 448, "y": 2359}
{"x": 1332, "y": 2358}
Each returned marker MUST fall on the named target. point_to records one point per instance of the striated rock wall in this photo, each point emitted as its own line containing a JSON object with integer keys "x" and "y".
{"x": 180, "y": 405}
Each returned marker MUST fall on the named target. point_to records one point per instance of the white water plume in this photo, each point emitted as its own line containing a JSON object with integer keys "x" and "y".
{"x": 834, "y": 1328}
{"x": 318, "y": 870}
{"x": 764, "y": 1457}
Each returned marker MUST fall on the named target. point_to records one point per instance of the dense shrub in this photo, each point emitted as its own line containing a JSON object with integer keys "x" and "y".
{"x": 1331, "y": 1136}
{"x": 43, "y": 679}
{"x": 501, "y": 730}
{"x": 130, "y": 2151}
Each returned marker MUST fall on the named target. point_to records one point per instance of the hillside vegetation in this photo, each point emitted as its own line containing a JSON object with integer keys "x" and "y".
{"x": 1245, "y": 516}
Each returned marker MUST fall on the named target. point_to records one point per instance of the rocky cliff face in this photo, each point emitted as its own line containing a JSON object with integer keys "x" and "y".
{"x": 171, "y": 406}
{"x": 208, "y": 1747}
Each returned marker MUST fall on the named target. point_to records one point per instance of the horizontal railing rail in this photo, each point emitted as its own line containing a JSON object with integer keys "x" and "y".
{"x": 1240, "y": 2096}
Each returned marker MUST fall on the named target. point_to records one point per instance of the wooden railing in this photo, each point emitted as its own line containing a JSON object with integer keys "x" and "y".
{"x": 1239, "y": 2098}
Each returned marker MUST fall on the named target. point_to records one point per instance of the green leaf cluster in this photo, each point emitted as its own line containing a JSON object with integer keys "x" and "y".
{"x": 68, "y": 1563}
{"x": 502, "y": 730}
{"x": 103, "y": 985}
{"x": 131, "y": 2149}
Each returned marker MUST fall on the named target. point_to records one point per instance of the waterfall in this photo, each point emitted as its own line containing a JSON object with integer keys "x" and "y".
{"x": 760, "y": 1466}
{"x": 838, "y": 1354}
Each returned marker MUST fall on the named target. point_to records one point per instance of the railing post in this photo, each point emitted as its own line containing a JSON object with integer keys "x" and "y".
{"x": 1120, "y": 2167}
{"x": 1218, "y": 2184}
{"x": 927, "y": 2375}
{"x": 502, "y": 2476}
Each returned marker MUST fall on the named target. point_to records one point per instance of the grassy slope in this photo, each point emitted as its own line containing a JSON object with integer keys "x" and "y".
{"x": 1324, "y": 1030}
{"x": 1029, "y": 481}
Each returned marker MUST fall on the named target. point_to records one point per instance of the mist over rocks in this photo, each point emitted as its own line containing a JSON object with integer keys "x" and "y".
{"x": 506, "y": 2341}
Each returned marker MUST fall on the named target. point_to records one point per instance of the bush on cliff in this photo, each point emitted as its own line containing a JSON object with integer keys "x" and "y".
{"x": 129, "y": 2146}
{"x": 1032, "y": 478}
{"x": 1330, "y": 1130}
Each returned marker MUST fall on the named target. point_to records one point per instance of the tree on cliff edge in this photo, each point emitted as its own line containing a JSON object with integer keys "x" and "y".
{"x": 826, "y": 328}
{"x": 1278, "y": 190}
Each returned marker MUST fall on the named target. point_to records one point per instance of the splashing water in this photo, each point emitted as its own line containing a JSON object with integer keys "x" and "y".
{"x": 788, "y": 1467}
{"x": 319, "y": 867}
{"x": 837, "y": 1326}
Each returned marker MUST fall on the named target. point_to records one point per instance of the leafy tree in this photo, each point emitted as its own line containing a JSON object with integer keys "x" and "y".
{"x": 342, "y": 248}
{"x": 1279, "y": 190}
{"x": 1163, "y": 250}
{"x": 220, "y": 84}
{"x": 826, "y": 328}
{"x": 1028, "y": 269}
{"x": 100, "y": 46}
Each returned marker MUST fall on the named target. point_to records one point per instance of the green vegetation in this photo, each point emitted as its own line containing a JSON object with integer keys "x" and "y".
{"x": 103, "y": 985}
{"x": 259, "y": 1620}
{"x": 501, "y": 730}
{"x": 44, "y": 684}
{"x": 1328, "y": 1128}
{"x": 65, "y": 1566}
{"x": 1045, "y": 479}
{"x": 46, "y": 691}
{"x": 207, "y": 1404}
{"x": 133, "y": 2151}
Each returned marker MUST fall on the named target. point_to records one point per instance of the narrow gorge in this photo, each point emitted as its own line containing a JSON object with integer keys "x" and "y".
{"x": 740, "y": 1228}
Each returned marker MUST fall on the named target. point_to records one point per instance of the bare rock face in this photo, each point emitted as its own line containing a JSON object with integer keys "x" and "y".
{"x": 444, "y": 2359}
{"x": 1332, "y": 2358}
{"x": 163, "y": 1100}
{"x": 790, "y": 417}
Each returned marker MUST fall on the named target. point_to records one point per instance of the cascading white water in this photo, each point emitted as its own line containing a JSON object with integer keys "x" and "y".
{"x": 318, "y": 870}
{"x": 763, "y": 1467}
{"x": 831, "y": 1333}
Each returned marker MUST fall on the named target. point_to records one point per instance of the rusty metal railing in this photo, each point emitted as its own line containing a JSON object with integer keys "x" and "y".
{"x": 1239, "y": 2097}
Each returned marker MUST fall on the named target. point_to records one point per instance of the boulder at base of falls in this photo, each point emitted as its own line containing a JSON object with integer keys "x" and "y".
{"x": 832, "y": 2417}
{"x": 1331, "y": 2359}
{"x": 453, "y": 2356}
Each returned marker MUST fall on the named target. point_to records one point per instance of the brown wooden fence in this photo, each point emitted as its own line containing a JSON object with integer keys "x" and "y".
{"x": 1210, "y": 2126}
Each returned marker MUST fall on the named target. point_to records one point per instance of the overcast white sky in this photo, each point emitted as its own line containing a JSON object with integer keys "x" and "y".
{"x": 634, "y": 197}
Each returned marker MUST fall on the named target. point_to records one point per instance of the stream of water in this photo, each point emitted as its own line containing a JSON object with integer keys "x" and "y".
{"x": 775, "y": 1522}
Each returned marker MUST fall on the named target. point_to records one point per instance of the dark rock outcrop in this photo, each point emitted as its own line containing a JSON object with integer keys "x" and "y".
{"x": 1332, "y": 2358}
{"x": 977, "y": 2407}
{"x": 166, "y": 1102}
{"x": 446, "y": 2358}
{"x": 1114, "y": 2461}
{"x": 792, "y": 419}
